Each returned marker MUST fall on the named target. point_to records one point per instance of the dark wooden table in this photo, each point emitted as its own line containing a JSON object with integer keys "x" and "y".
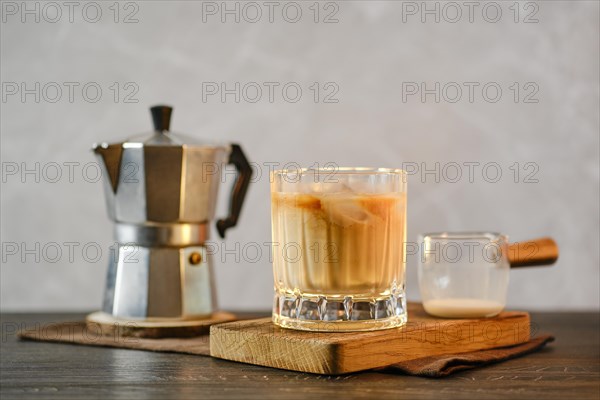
{"x": 568, "y": 369}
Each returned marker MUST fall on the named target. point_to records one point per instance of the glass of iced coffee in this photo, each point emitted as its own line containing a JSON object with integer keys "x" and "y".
{"x": 339, "y": 248}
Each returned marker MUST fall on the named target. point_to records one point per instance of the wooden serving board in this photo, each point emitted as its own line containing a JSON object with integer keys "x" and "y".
{"x": 261, "y": 342}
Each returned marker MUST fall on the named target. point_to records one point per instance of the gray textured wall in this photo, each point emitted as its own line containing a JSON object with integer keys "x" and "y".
{"x": 372, "y": 54}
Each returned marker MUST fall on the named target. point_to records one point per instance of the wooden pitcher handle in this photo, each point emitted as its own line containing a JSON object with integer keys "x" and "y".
{"x": 542, "y": 251}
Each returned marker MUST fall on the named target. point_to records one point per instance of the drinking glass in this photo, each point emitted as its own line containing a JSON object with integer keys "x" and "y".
{"x": 339, "y": 248}
{"x": 464, "y": 274}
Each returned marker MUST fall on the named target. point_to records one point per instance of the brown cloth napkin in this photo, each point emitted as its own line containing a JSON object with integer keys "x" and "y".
{"x": 432, "y": 367}
{"x": 80, "y": 333}
{"x": 444, "y": 365}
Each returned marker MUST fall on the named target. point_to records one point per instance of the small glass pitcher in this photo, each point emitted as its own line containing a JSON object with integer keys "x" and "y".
{"x": 463, "y": 275}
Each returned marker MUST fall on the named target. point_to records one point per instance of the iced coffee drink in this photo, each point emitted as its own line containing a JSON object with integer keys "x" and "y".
{"x": 338, "y": 251}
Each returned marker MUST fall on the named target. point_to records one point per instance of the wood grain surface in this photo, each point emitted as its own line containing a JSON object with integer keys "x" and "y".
{"x": 261, "y": 342}
{"x": 568, "y": 369}
{"x": 535, "y": 252}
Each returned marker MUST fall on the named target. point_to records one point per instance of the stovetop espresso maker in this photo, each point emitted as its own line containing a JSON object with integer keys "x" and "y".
{"x": 161, "y": 192}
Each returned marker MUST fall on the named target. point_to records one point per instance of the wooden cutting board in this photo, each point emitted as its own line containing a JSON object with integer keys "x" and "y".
{"x": 261, "y": 342}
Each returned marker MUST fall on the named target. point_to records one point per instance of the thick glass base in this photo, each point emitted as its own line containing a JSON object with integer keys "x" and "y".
{"x": 339, "y": 314}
